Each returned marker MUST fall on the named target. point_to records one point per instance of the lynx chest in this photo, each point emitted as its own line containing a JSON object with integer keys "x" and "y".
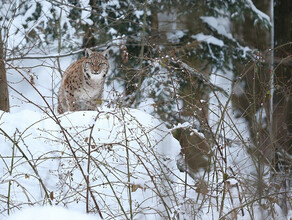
{"x": 90, "y": 89}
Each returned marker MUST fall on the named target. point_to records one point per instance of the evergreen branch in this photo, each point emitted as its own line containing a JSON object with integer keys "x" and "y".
{"x": 202, "y": 78}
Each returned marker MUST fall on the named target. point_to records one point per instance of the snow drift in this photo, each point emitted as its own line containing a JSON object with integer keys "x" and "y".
{"x": 128, "y": 156}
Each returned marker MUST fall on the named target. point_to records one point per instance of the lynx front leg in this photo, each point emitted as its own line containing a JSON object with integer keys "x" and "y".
{"x": 92, "y": 105}
{"x": 71, "y": 102}
{"x": 62, "y": 102}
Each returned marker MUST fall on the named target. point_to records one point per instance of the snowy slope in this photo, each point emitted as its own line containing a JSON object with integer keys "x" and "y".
{"x": 132, "y": 162}
{"x": 50, "y": 213}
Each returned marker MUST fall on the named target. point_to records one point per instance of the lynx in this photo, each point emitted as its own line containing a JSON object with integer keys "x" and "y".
{"x": 83, "y": 83}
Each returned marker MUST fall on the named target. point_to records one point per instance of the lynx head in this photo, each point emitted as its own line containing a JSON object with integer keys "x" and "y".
{"x": 95, "y": 63}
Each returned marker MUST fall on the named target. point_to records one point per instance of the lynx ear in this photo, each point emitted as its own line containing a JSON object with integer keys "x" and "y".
{"x": 105, "y": 53}
{"x": 88, "y": 52}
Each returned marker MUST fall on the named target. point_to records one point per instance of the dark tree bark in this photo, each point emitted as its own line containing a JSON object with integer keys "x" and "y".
{"x": 282, "y": 101}
{"x": 282, "y": 117}
{"x": 4, "y": 96}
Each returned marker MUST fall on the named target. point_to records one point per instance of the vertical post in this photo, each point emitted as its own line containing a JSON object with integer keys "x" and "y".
{"x": 272, "y": 71}
{"x": 4, "y": 96}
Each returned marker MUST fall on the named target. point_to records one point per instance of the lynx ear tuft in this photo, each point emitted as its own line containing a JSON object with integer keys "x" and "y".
{"x": 88, "y": 52}
{"x": 105, "y": 53}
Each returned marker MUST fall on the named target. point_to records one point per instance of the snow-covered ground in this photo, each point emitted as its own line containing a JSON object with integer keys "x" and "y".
{"x": 132, "y": 155}
{"x": 50, "y": 213}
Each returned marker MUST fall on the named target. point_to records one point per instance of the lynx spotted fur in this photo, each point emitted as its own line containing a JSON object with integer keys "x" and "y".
{"x": 83, "y": 83}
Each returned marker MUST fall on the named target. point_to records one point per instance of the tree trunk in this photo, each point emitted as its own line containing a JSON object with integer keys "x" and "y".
{"x": 282, "y": 123}
{"x": 282, "y": 99}
{"x": 4, "y": 97}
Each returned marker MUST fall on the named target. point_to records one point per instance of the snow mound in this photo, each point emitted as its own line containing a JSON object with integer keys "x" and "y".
{"x": 129, "y": 156}
{"x": 50, "y": 213}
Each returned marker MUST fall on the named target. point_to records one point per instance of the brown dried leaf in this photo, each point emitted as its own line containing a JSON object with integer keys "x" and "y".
{"x": 136, "y": 186}
{"x": 125, "y": 54}
{"x": 93, "y": 146}
{"x": 31, "y": 80}
{"x": 201, "y": 188}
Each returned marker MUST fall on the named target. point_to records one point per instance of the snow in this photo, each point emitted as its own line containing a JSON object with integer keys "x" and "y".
{"x": 238, "y": 88}
{"x": 112, "y": 31}
{"x": 261, "y": 15}
{"x": 138, "y": 13}
{"x": 183, "y": 125}
{"x": 235, "y": 131}
{"x": 220, "y": 103}
{"x": 220, "y": 24}
{"x": 208, "y": 39}
{"x": 85, "y": 14}
{"x": 147, "y": 105}
{"x": 50, "y": 213}
{"x": 261, "y": 116}
{"x": 174, "y": 36}
{"x": 117, "y": 137}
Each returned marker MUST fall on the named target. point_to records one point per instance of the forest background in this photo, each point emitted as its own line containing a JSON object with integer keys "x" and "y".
{"x": 189, "y": 64}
